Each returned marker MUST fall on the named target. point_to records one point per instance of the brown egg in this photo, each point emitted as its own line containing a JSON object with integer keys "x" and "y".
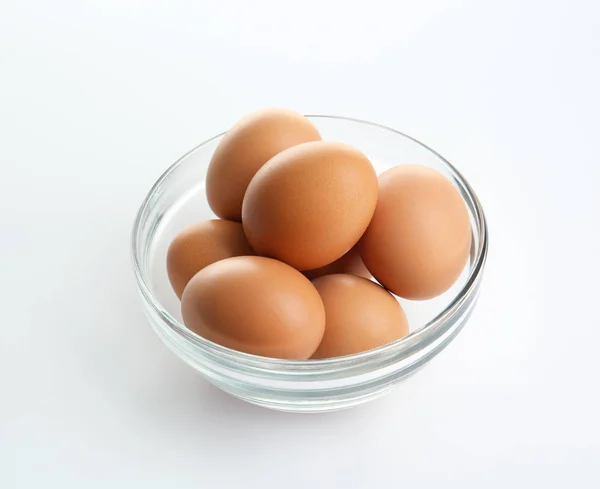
{"x": 418, "y": 241}
{"x": 255, "y": 305}
{"x": 360, "y": 315}
{"x": 310, "y": 204}
{"x": 201, "y": 244}
{"x": 350, "y": 263}
{"x": 246, "y": 147}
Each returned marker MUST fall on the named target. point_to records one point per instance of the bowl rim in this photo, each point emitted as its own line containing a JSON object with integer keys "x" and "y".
{"x": 421, "y": 337}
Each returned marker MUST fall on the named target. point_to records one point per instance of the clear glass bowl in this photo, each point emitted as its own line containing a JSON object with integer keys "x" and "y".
{"x": 178, "y": 199}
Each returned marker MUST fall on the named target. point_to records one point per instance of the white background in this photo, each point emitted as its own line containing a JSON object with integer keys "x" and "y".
{"x": 98, "y": 98}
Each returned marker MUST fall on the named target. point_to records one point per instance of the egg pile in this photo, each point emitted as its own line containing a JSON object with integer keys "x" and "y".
{"x": 311, "y": 244}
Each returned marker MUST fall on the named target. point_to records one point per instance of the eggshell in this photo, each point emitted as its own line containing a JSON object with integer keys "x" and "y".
{"x": 419, "y": 238}
{"x": 350, "y": 263}
{"x": 310, "y": 204}
{"x": 247, "y": 146}
{"x": 201, "y": 244}
{"x": 360, "y": 315}
{"x": 255, "y": 305}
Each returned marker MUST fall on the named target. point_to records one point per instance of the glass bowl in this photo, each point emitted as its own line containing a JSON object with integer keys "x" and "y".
{"x": 178, "y": 199}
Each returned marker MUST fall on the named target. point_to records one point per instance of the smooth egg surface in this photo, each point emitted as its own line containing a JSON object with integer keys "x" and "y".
{"x": 255, "y": 305}
{"x": 310, "y": 204}
{"x": 360, "y": 315}
{"x": 419, "y": 238}
{"x": 200, "y": 245}
{"x": 247, "y": 146}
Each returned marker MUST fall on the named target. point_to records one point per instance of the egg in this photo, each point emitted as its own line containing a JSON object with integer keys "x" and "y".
{"x": 360, "y": 315}
{"x": 247, "y": 146}
{"x": 419, "y": 238}
{"x": 350, "y": 263}
{"x": 255, "y": 305}
{"x": 310, "y": 204}
{"x": 200, "y": 245}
